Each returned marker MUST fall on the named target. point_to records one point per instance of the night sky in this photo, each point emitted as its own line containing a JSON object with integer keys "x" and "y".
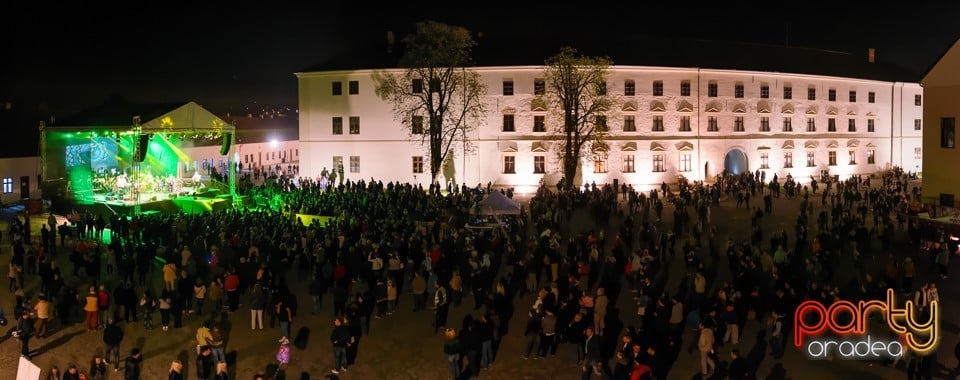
{"x": 240, "y": 58}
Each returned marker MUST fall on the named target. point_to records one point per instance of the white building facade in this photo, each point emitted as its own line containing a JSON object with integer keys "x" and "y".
{"x": 20, "y": 179}
{"x": 668, "y": 122}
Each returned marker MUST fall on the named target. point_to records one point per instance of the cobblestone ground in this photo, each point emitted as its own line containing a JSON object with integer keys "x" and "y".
{"x": 403, "y": 346}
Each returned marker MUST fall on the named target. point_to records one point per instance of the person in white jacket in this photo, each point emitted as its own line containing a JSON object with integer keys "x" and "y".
{"x": 705, "y": 344}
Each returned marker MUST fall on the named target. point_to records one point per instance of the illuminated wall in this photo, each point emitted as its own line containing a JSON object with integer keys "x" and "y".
{"x": 872, "y": 119}
{"x": 941, "y": 110}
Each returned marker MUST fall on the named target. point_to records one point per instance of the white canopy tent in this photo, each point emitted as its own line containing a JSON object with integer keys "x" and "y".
{"x": 487, "y": 213}
{"x": 495, "y": 203}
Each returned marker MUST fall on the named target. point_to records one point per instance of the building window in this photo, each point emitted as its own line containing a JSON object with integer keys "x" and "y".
{"x": 354, "y": 87}
{"x": 354, "y": 125}
{"x": 918, "y": 100}
{"x": 853, "y": 96}
{"x": 811, "y": 124}
{"x": 871, "y": 97}
{"x": 831, "y": 125}
{"x": 539, "y": 86}
{"x": 600, "y": 123}
{"x": 764, "y": 160}
{"x": 629, "y": 123}
{"x": 600, "y": 163}
{"x": 539, "y": 164}
{"x": 917, "y": 124}
{"x": 658, "y": 123}
{"x": 870, "y": 157}
{"x": 738, "y": 124}
{"x": 871, "y": 125}
{"x": 416, "y": 124}
{"x": 337, "y": 125}
{"x": 602, "y": 88}
{"x": 811, "y": 93}
{"x": 629, "y": 164}
{"x": 832, "y": 158}
{"x": 417, "y": 164}
{"x": 832, "y": 95}
{"x": 853, "y": 157}
{"x": 509, "y": 164}
{"x": 337, "y": 163}
{"x": 811, "y": 159}
{"x": 712, "y": 89}
{"x": 508, "y": 123}
{"x": 917, "y": 153}
{"x": 658, "y": 88}
{"x": 738, "y": 90}
{"x": 508, "y": 88}
{"x": 684, "y": 123}
{"x": 787, "y": 160}
{"x": 7, "y": 185}
{"x": 629, "y": 88}
{"x": 337, "y": 88}
{"x": 686, "y": 162}
{"x": 852, "y": 125}
{"x": 434, "y": 85}
{"x": 787, "y": 92}
{"x": 764, "y": 124}
{"x": 685, "y": 88}
{"x": 354, "y": 164}
{"x": 787, "y": 124}
{"x": 417, "y": 86}
{"x": 658, "y": 163}
{"x": 948, "y": 131}
{"x": 712, "y": 125}
{"x": 539, "y": 123}
{"x": 764, "y": 91}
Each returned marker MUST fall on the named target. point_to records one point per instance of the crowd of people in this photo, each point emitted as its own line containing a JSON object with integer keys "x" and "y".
{"x": 384, "y": 241}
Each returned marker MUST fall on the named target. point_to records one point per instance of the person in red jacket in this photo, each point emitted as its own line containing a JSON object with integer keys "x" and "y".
{"x": 641, "y": 371}
{"x": 103, "y": 305}
{"x": 231, "y": 285}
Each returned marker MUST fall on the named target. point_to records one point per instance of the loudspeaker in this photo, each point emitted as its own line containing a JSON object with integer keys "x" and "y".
{"x": 140, "y": 153}
{"x": 225, "y": 144}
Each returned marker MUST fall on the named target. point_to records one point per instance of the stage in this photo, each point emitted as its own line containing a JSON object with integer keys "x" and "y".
{"x": 205, "y": 201}
{"x": 129, "y": 158}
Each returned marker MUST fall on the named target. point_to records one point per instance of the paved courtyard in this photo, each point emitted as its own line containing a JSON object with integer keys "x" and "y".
{"x": 403, "y": 346}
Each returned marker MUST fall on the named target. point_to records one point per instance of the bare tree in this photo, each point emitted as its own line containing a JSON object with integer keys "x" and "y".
{"x": 435, "y": 95}
{"x": 576, "y": 87}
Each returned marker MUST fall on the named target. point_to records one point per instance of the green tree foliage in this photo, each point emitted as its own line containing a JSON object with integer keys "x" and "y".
{"x": 434, "y": 96}
{"x": 576, "y": 89}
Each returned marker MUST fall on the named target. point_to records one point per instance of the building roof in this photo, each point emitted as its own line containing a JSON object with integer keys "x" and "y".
{"x": 944, "y": 71}
{"x": 21, "y": 126}
{"x": 502, "y": 49}
{"x": 115, "y": 113}
{"x": 259, "y": 129}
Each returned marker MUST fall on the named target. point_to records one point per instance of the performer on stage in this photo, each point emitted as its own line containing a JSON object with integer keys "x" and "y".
{"x": 122, "y": 181}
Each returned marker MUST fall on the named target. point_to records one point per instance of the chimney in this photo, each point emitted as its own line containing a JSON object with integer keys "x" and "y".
{"x": 872, "y": 55}
{"x": 390, "y": 42}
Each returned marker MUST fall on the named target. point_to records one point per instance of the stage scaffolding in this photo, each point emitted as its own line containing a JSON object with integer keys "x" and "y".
{"x": 91, "y": 163}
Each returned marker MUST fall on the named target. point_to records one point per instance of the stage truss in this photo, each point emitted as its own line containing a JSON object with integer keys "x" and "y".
{"x": 137, "y": 164}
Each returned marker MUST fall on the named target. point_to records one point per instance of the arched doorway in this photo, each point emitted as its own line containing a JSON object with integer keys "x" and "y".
{"x": 706, "y": 171}
{"x": 735, "y": 162}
